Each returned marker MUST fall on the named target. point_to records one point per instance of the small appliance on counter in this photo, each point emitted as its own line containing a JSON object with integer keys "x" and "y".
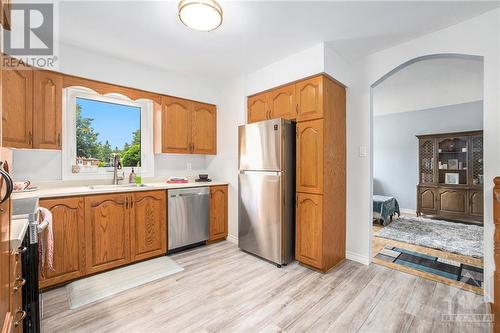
{"x": 203, "y": 177}
{"x": 177, "y": 180}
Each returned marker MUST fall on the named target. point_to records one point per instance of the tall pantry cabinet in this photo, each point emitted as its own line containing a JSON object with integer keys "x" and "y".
{"x": 320, "y": 112}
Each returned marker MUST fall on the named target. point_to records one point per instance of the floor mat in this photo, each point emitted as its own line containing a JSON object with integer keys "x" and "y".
{"x": 460, "y": 238}
{"x": 445, "y": 270}
{"x": 99, "y": 286}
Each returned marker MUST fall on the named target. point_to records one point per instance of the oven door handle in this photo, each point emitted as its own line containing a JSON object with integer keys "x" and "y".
{"x": 10, "y": 185}
{"x": 42, "y": 226}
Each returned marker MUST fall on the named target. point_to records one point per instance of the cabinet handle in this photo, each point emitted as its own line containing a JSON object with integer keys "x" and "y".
{"x": 30, "y": 138}
{"x": 20, "y": 285}
{"x": 23, "y": 315}
{"x": 20, "y": 251}
{"x": 131, "y": 203}
{"x": 126, "y": 203}
{"x": 59, "y": 140}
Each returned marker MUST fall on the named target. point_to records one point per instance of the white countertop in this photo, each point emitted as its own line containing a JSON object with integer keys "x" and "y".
{"x": 86, "y": 190}
{"x": 17, "y": 231}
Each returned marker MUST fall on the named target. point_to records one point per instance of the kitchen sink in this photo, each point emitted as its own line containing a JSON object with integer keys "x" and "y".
{"x": 103, "y": 187}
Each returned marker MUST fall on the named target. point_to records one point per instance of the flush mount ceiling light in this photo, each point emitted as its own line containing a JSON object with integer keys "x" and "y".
{"x": 201, "y": 15}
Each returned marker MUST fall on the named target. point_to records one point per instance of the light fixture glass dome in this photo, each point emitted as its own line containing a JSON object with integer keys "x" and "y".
{"x": 202, "y": 15}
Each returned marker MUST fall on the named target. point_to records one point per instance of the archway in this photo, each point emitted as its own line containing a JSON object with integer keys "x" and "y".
{"x": 438, "y": 174}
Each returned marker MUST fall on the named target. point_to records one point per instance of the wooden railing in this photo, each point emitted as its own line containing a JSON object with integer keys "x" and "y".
{"x": 496, "y": 247}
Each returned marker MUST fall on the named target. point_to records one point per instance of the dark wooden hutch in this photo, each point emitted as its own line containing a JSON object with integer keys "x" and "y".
{"x": 451, "y": 176}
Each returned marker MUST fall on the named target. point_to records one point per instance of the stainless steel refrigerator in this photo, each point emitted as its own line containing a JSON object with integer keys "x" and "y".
{"x": 266, "y": 191}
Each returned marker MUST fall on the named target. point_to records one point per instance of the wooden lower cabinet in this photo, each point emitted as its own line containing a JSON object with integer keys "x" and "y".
{"x": 476, "y": 204}
{"x": 309, "y": 229}
{"x": 218, "y": 213}
{"x": 459, "y": 204}
{"x": 68, "y": 226}
{"x": 100, "y": 232}
{"x": 148, "y": 225}
{"x": 427, "y": 200}
{"x": 107, "y": 231}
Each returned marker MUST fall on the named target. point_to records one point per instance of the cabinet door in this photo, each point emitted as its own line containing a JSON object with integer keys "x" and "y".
{"x": 17, "y": 104}
{"x": 258, "y": 108}
{"x": 203, "y": 129}
{"x": 68, "y": 226}
{"x": 309, "y": 229}
{"x": 5, "y": 264}
{"x": 176, "y": 125}
{"x": 452, "y": 202}
{"x": 106, "y": 231}
{"x": 309, "y": 94}
{"x": 47, "y": 115}
{"x": 282, "y": 102}
{"x": 476, "y": 203}
{"x": 218, "y": 212}
{"x": 310, "y": 156}
{"x": 148, "y": 225}
{"x": 427, "y": 200}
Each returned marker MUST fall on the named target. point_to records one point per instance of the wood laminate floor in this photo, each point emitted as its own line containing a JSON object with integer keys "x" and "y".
{"x": 225, "y": 290}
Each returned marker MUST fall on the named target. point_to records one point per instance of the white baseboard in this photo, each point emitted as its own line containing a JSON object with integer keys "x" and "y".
{"x": 357, "y": 257}
{"x": 232, "y": 239}
{"x": 408, "y": 211}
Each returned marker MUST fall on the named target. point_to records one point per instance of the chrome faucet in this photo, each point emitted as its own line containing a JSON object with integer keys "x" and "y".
{"x": 117, "y": 165}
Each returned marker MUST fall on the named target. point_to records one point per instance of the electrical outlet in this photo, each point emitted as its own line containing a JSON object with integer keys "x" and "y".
{"x": 188, "y": 167}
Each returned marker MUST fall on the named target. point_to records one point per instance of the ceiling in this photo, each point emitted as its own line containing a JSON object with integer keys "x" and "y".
{"x": 430, "y": 84}
{"x": 254, "y": 33}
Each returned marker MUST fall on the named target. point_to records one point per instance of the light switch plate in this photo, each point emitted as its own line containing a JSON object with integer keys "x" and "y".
{"x": 363, "y": 151}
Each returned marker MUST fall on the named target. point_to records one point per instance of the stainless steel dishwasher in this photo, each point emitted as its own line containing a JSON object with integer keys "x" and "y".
{"x": 188, "y": 214}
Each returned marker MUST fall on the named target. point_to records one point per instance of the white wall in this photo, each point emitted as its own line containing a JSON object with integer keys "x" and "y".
{"x": 46, "y": 165}
{"x": 230, "y": 114}
{"x": 395, "y": 146}
{"x": 478, "y": 36}
{"x": 294, "y": 67}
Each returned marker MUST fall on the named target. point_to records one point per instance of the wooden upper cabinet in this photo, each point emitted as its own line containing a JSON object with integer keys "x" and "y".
{"x": 309, "y": 94}
{"x": 176, "y": 125}
{"x": 204, "y": 129}
{"x": 282, "y": 102}
{"x": 68, "y": 226}
{"x": 309, "y": 147}
{"x": 47, "y": 110}
{"x": 17, "y": 104}
{"x": 309, "y": 229}
{"x": 258, "y": 108}
{"x": 107, "y": 227}
{"x": 148, "y": 224}
{"x": 218, "y": 212}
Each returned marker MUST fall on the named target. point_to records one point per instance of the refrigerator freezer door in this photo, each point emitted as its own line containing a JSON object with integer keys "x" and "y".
{"x": 260, "y": 205}
{"x": 260, "y": 146}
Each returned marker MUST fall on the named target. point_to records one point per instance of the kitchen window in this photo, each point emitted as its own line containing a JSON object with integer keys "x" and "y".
{"x": 98, "y": 126}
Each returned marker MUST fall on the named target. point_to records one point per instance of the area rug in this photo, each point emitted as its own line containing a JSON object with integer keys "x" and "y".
{"x": 460, "y": 238}
{"x": 445, "y": 268}
{"x": 99, "y": 286}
